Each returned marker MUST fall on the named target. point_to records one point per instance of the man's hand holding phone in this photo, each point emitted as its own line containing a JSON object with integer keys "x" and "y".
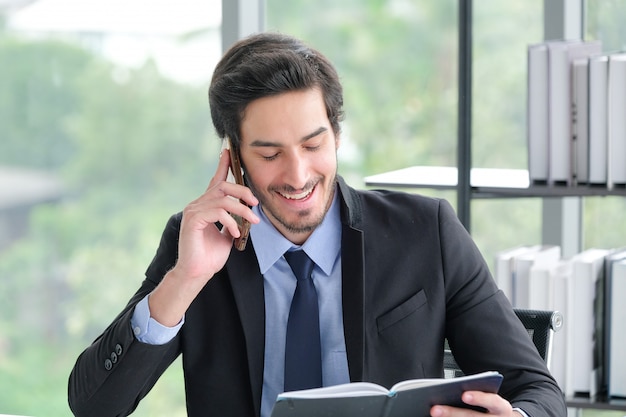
{"x": 203, "y": 248}
{"x": 222, "y": 202}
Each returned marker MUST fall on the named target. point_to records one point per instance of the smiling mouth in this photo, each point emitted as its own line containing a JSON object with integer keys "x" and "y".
{"x": 299, "y": 196}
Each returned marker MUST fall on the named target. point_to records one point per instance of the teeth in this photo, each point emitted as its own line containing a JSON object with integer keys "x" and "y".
{"x": 296, "y": 196}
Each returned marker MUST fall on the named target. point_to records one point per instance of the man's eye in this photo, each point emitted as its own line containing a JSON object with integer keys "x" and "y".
{"x": 270, "y": 157}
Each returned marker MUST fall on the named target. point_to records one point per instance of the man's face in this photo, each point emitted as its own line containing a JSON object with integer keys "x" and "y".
{"x": 289, "y": 151}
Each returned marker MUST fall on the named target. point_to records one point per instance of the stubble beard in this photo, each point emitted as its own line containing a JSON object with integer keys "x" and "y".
{"x": 299, "y": 226}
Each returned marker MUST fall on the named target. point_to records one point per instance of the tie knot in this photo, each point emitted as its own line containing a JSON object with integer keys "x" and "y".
{"x": 300, "y": 264}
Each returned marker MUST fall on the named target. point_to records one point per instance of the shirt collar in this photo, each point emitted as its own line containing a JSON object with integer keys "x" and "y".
{"x": 322, "y": 246}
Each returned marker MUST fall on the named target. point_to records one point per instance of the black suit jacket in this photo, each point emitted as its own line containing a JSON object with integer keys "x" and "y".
{"x": 412, "y": 276}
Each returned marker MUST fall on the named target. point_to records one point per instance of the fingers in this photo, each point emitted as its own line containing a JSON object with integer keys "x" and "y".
{"x": 220, "y": 180}
{"x": 493, "y": 403}
{"x": 218, "y": 204}
{"x": 220, "y": 201}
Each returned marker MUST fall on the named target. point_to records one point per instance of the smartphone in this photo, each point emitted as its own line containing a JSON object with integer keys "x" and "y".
{"x": 237, "y": 172}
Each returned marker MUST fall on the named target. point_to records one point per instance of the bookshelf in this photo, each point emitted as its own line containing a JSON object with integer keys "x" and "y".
{"x": 561, "y": 205}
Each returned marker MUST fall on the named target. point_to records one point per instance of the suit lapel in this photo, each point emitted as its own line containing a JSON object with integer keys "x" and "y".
{"x": 247, "y": 284}
{"x": 352, "y": 293}
{"x": 352, "y": 273}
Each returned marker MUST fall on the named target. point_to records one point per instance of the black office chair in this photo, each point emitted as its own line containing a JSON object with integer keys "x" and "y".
{"x": 540, "y": 324}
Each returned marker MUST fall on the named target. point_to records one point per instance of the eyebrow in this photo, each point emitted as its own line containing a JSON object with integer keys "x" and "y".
{"x": 267, "y": 143}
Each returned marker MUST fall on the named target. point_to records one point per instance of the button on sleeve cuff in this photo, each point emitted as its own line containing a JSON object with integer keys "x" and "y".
{"x": 148, "y": 330}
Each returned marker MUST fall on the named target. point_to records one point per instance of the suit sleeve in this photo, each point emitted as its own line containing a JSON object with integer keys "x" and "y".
{"x": 116, "y": 371}
{"x": 483, "y": 330}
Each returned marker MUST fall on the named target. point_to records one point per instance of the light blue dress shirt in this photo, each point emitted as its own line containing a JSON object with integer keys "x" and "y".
{"x": 324, "y": 248}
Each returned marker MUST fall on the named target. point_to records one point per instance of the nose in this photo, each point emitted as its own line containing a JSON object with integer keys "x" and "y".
{"x": 296, "y": 171}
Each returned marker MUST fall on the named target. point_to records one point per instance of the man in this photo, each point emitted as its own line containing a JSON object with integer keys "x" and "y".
{"x": 394, "y": 273}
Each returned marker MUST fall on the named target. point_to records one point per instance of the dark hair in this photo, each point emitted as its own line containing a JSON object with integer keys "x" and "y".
{"x": 268, "y": 64}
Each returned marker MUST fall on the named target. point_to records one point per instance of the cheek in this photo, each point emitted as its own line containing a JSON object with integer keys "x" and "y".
{"x": 259, "y": 177}
{"x": 328, "y": 164}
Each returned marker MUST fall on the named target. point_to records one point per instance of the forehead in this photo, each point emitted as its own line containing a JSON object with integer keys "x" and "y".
{"x": 289, "y": 114}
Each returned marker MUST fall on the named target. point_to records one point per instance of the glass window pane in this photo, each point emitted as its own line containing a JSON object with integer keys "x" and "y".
{"x": 104, "y": 133}
{"x": 605, "y": 21}
{"x": 502, "y": 31}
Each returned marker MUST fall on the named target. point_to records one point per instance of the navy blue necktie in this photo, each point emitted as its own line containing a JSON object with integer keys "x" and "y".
{"x": 303, "y": 352}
